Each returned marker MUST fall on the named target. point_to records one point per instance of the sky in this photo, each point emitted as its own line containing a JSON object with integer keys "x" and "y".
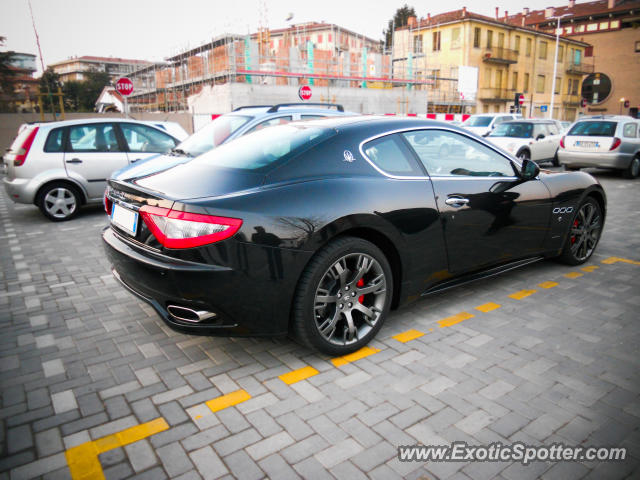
{"x": 156, "y": 29}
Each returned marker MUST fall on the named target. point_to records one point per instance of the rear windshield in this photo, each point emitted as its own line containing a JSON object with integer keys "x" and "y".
{"x": 516, "y": 130}
{"x": 213, "y": 134}
{"x": 593, "y": 129}
{"x": 478, "y": 121}
{"x": 265, "y": 149}
{"x": 16, "y": 146}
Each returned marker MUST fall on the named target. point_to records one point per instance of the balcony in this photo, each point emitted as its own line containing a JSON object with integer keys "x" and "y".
{"x": 499, "y": 55}
{"x": 496, "y": 95}
{"x": 571, "y": 100}
{"x": 581, "y": 68}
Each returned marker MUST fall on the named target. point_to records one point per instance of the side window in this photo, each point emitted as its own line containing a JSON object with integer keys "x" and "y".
{"x": 391, "y": 154}
{"x": 445, "y": 154}
{"x": 54, "y": 141}
{"x": 630, "y": 130}
{"x": 141, "y": 138}
{"x": 553, "y": 129}
{"x": 312, "y": 117}
{"x": 270, "y": 123}
{"x": 538, "y": 129}
{"x": 96, "y": 137}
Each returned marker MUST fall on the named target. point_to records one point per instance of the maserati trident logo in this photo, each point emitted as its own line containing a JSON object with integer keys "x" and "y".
{"x": 348, "y": 156}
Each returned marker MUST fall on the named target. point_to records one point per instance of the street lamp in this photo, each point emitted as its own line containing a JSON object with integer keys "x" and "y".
{"x": 555, "y": 63}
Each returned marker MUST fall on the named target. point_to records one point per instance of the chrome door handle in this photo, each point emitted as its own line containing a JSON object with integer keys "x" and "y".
{"x": 456, "y": 202}
{"x": 74, "y": 160}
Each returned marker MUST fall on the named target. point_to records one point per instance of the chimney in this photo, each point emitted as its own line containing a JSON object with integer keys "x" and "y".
{"x": 411, "y": 21}
{"x": 506, "y": 15}
{"x": 526, "y": 10}
{"x": 572, "y": 3}
{"x": 497, "y": 14}
{"x": 523, "y": 19}
{"x": 611, "y": 4}
{"x": 429, "y": 17}
{"x": 551, "y": 11}
{"x": 464, "y": 12}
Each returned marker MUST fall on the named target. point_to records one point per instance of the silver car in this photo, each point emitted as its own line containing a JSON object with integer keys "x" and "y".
{"x": 606, "y": 141}
{"x": 60, "y": 166}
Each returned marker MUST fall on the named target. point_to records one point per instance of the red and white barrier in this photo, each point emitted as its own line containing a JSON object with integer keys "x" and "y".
{"x": 442, "y": 117}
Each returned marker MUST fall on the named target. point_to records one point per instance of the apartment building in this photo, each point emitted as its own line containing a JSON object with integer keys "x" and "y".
{"x": 510, "y": 59}
{"x": 611, "y": 28}
{"x": 75, "y": 68}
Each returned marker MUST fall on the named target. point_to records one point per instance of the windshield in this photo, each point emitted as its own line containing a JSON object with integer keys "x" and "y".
{"x": 516, "y": 130}
{"x": 478, "y": 121}
{"x": 212, "y": 135}
{"x": 594, "y": 129}
{"x": 264, "y": 149}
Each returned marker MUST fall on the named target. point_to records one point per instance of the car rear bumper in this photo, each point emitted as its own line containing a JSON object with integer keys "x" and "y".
{"x": 20, "y": 190}
{"x": 615, "y": 160}
{"x": 244, "y": 304}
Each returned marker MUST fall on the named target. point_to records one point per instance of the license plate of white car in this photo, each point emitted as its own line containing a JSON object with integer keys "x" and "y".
{"x": 582, "y": 143}
{"x": 124, "y": 218}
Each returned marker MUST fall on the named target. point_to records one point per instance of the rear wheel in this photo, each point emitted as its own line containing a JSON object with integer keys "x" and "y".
{"x": 584, "y": 234}
{"x": 343, "y": 297}
{"x": 59, "y": 201}
{"x": 634, "y": 169}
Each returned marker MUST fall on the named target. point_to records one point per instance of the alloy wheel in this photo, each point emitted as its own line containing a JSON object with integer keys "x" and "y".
{"x": 585, "y": 231}
{"x": 60, "y": 202}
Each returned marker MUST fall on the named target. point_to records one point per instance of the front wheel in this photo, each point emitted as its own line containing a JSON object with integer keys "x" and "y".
{"x": 584, "y": 234}
{"x": 59, "y": 201}
{"x": 634, "y": 169}
{"x": 343, "y": 297}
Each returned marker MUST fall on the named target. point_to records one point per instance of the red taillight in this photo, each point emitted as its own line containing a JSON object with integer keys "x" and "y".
{"x": 107, "y": 203}
{"x": 21, "y": 156}
{"x": 175, "y": 229}
{"x": 562, "y": 142}
{"x": 616, "y": 143}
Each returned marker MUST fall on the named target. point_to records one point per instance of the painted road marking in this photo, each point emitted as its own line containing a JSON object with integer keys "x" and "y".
{"x": 228, "y": 400}
{"x": 83, "y": 460}
{"x": 352, "y": 357}
{"x": 407, "y": 336}
{"x": 548, "y": 284}
{"x": 590, "y": 268}
{"x": 298, "y": 375}
{"x": 611, "y": 260}
{"x": 522, "y": 294}
{"x": 573, "y": 275}
{"x": 453, "y": 319}
{"x": 488, "y": 307}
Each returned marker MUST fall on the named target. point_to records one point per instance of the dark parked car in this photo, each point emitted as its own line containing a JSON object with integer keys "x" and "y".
{"x": 320, "y": 228}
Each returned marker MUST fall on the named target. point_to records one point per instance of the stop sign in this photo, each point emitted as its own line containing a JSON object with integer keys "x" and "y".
{"x": 521, "y": 100}
{"x": 304, "y": 92}
{"x": 124, "y": 86}
{"x": 583, "y": 103}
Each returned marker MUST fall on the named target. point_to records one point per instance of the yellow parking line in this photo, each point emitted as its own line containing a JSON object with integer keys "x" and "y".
{"x": 407, "y": 336}
{"x": 83, "y": 459}
{"x": 590, "y": 268}
{"x": 298, "y": 375}
{"x": 522, "y": 294}
{"x": 573, "y": 275}
{"x": 453, "y": 319}
{"x": 488, "y": 307}
{"x": 228, "y": 400}
{"x": 352, "y": 357}
{"x": 548, "y": 284}
{"x": 611, "y": 260}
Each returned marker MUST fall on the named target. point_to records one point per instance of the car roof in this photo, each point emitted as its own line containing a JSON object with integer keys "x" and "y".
{"x": 532, "y": 120}
{"x": 379, "y": 123}
{"x": 290, "y": 108}
{"x": 65, "y": 123}
{"x": 611, "y": 118}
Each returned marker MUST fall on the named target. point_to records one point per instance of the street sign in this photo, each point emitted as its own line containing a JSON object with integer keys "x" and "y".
{"x": 544, "y": 108}
{"x": 124, "y": 86}
{"x": 521, "y": 100}
{"x": 304, "y": 92}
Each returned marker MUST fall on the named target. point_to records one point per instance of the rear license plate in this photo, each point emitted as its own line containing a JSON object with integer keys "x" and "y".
{"x": 124, "y": 218}
{"x": 582, "y": 143}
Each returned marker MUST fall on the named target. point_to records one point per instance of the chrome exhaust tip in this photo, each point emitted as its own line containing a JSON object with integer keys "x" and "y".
{"x": 189, "y": 315}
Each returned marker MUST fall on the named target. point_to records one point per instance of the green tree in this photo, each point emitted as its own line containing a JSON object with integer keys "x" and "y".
{"x": 400, "y": 19}
{"x": 49, "y": 84}
{"x": 93, "y": 85}
{"x": 6, "y": 77}
{"x": 72, "y": 91}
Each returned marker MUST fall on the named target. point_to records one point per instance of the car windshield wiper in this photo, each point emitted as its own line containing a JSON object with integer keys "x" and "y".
{"x": 179, "y": 151}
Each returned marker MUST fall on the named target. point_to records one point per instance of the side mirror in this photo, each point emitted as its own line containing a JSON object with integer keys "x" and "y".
{"x": 486, "y": 134}
{"x": 540, "y": 137}
{"x": 529, "y": 170}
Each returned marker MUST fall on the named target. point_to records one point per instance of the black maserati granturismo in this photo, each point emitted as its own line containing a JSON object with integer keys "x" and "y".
{"x": 318, "y": 229}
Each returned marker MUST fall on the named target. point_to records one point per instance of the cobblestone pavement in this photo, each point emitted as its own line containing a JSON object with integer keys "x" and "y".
{"x": 93, "y": 383}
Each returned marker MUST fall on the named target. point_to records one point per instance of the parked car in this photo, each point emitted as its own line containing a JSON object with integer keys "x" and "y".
{"x": 172, "y": 128}
{"x": 532, "y": 139}
{"x": 609, "y": 141}
{"x": 319, "y": 228}
{"x": 60, "y": 166}
{"x": 241, "y": 121}
{"x": 482, "y": 124}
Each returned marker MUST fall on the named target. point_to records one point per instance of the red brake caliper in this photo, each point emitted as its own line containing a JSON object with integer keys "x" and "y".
{"x": 360, "y": 284}
{"x": 573, "y": 237}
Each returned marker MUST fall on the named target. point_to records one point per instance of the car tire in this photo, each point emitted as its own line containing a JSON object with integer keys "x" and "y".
{"x": 328, "y": 314}
{"x": 59, "y": 201}
{"x": 523, "y": 155}
{"x": 634, "y": 168}
{"x": 584, "y": 233}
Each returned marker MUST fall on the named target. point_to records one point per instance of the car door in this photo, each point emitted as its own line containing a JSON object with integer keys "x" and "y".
{"x": 540, "y": 147}
{"x": 489, "y": 214}
{"x": 92, "y": 153}
{"x": 143, "y": 141}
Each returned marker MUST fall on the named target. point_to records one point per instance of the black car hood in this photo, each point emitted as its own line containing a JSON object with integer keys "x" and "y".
{"x": 197, "y": 180}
